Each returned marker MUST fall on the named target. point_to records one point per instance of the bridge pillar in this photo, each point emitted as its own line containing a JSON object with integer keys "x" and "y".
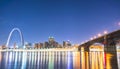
{"x": 110, "y": 48}
{"x": 86, "y": 49}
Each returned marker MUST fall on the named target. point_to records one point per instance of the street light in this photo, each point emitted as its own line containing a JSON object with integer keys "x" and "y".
{"x": 105, "y": 32}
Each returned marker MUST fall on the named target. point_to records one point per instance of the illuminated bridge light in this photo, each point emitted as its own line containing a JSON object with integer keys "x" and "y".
{"x": 94, "y": 37}
{"x": 105, "y": 32}
{"x": 119, "y": 24}
{"x": 99, "y": 35}
{"x": 91, "y": 38}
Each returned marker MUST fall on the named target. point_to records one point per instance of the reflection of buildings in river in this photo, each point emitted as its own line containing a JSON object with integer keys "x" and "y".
{"x": 108, "y": 61}
{"x": 76, "y": 60}
{"x": 58, "y": 60}
{"x": 32, "y": 60}
{"x": 10, "y": 60}
{"x": 118, "y": 53}
{"x": 37, "y": 60}
{"x": 96, "y": 60}
{"x": 40, "y": 60}
{"x": 16, "y": 58}
{"x": 64, "y": 60}
{"x": 87, "y": 60}
{"x": 24, "y": 60}
{"x": 55, "y": 61}
{"x": 44, "y": 60}
{"x": 82, "y": 60}
{"x": 51, "y": 60}
{"x": 0, "y": 58}
{"x": 29, "y": 59}
{"x": 69, "y": 60}
{"x": 6, "y": 59}
{"x": 97, "y": 56}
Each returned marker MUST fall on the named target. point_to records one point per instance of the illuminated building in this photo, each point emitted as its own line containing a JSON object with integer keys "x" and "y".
{"x": 36, "y": 46}
{"x": 46, "y": 45}
{"x": 28, "y": 45}
{"x": 52, "y": 42}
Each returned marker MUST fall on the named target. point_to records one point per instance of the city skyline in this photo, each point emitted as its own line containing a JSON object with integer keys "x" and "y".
{"x": 65, "y": 20}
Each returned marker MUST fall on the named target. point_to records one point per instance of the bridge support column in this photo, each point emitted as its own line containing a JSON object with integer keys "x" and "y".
{"x": 110, "y": 49}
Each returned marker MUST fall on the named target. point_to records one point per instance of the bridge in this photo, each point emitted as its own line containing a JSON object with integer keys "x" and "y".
{"x": 108, "y": 41}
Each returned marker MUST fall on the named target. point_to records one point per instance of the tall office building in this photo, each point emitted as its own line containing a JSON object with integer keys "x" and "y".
{"x": 41, "y": 45}
{"x": 51, "y": 39}
{"x": 36, "y": 45}
{"x": 28, "y": 45}
{"x": 46, "y": 45}
{"x": 52, "y": 42}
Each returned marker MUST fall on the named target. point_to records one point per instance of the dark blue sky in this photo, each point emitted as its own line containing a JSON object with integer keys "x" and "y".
{"x": 65, "y": 20}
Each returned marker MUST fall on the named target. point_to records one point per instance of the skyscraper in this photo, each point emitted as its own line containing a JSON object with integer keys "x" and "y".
{"x": 52, "y": 42}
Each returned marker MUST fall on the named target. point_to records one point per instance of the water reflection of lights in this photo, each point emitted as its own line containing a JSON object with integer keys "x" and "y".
{"x": 118, "y": 59}
{"x": 10, "y": 60}
{"x": 38, "y": 60}
{"x": 35, "y": 59}
{"x": 24, "y": 58}
{"x": 57, "y": 60}
{"x": 29, "y": 59}
{"x": 96, "y": 60}
{"x": 0, "y": 56}
{"x": 108, "y": 62}
{"x": 118, "y": 53}
{"x": 69, "y": 63}
{"x": 16, "y": 58}
{"x": 41, "y": 60}
{"x": 76, "y": 60}
{"x": 10, "y": 56}
{"x": 51, "y": 60}
{"x": 82, "y": 60}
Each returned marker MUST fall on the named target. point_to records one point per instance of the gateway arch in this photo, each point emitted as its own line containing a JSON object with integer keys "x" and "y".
{"x": 10, "y": 34}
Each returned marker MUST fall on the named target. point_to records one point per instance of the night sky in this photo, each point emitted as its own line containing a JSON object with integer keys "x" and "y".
{"x": 71, "y": 20}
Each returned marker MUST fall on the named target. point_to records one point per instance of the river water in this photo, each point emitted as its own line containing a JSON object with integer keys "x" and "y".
{"x": 57, "y": 60}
